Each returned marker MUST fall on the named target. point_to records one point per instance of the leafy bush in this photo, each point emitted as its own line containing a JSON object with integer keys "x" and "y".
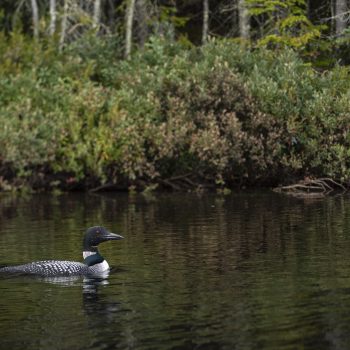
{"x": 221, "y": 112}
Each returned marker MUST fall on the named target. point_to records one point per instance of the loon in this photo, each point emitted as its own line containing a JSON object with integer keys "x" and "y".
{"x": 93, "y": 264}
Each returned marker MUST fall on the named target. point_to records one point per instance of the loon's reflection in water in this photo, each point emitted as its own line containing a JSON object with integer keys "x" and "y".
{"x": 100, "y": 305}
{"x": 93, "y": 302}
{"x": 89, "y": 283}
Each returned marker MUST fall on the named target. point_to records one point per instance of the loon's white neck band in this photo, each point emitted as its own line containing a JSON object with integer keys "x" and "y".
{"x": 97, "y": 268}
{"x": 87, "y": 253}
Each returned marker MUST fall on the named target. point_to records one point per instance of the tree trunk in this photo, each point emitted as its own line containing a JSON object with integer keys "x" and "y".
{"x": 129, "y": 25}
{"x": 205, "y": 21}
{"x": 35, "y": 13}
{"x": 97, "y": 13}
{"x": 111, "y": 15}
{"x": 64, "y": 24}
{"x": 142, "y": 21}
{"x": 244, "y": 20}
{"x": 52, "y": 27}
{"x": 308, "y": 9}
{"x": 340, "y": 16}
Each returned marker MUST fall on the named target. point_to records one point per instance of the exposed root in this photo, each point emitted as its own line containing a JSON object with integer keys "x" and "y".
{"x": 325, "y": 179}
{"x": 106, "y": 187}
{"x": 178, "y": 183}
{"x": 184, "y": 182}
{"x": 316, "y": 188}
{"x": 170, "y": 184}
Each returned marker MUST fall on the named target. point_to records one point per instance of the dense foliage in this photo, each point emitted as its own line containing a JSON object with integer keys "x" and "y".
{"x": 225, "y": 114}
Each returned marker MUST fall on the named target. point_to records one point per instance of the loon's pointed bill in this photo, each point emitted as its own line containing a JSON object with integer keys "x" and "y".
{"x": 112, "y": 236}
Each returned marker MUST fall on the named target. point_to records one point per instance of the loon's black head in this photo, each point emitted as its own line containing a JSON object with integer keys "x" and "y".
{"x": 96, "y": 235}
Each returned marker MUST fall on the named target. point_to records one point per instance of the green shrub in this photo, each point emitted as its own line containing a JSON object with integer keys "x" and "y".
{"x": 222, "y": 112}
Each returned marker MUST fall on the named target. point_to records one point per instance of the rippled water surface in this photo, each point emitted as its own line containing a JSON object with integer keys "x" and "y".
{"x": 245, "y": 271}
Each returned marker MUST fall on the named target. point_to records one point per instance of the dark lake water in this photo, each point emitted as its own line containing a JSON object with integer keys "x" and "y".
{"x": 244, "y": 271}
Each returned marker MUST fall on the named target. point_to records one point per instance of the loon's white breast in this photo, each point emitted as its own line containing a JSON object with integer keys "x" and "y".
{"x": 101, "y": 267}
{"x": 96, "y": 268}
